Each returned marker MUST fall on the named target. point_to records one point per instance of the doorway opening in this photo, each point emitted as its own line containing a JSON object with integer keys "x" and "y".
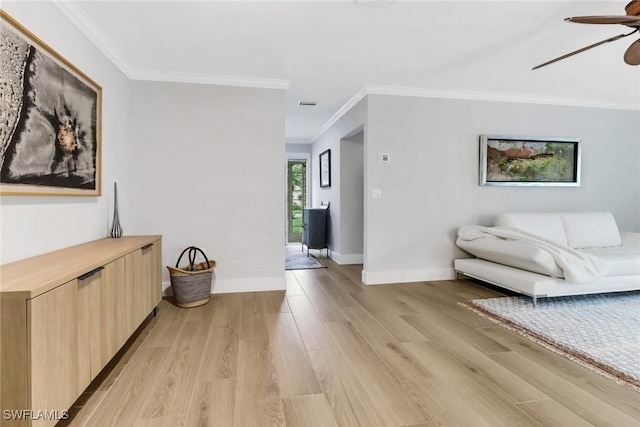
{"x": 296, "y": 198}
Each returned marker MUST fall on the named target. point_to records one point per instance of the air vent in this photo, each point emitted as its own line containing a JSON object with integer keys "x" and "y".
{"x": 307, "y": 103}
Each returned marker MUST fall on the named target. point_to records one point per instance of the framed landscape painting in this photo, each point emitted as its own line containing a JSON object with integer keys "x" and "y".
{"x": 529, "y": 161}
{"x": 50, "y": 142}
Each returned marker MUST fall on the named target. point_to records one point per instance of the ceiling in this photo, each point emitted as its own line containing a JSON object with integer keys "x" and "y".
{"x": 335, "y": 52}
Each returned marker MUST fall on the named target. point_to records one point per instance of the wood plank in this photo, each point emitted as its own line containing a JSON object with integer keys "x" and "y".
{"x": 438, "y": 326}
{"x": 342, "y": 279}
{"x": 79, "y": 415}
{"x": 311, "y": 328}
{"x": 401, "y": 363}
{"x": 127, "y": 396}
{"x": 347, "y": 398}
{"x": 397, "y": 326}
{"x": 295, "y": 374}
{"x": 376, "y": 300}
{"x": 221, "y": 353}
{"x": 293, "y": 287}
{"x": 307, "y": 276}
{"x": 172, "y": 391}
{"x": 339, "y": 296}
{"x": 469, "y": 349}
{"x": 551, "y": 413}
{"x": 433, "y": 299}
{"x": 325, "y": 307}
{"x": 204, "y": 312}
{"x": 476, "y": 366}
{"x": 397, "y": 405}
{"x": 252, "y": 321}
{"x": 109, "y": 375}
{"x": 614, "y": 394}
{"x": 174, "y": 421}
{"x": 571, "y": 396}
{"x": 275, "y": 302}
{"x": 258, "y": 400}
{"x": 308, "y": 411}
{"x": 213, "y": 404}
{"x": 166, "y": 333}
{"x": 463, "y": 402}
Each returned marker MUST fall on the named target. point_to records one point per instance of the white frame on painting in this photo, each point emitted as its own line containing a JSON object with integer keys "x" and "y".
{"x": 529, "y": 161}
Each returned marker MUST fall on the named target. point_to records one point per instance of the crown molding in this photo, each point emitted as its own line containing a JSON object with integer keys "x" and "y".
{"x": 357, "y": 97}
{"x": 78, "y": 16}
{"x": 302, "y": 141}
{"x": 209, "y": 79}
{"x": 521, "y": 98}
{"x": 464, "y": 95}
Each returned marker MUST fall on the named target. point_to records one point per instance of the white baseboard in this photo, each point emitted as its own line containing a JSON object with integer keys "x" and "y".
{"x": 252, "y": 284}
{"x": 346, "y": 259}
{"x": 406, "y": 276}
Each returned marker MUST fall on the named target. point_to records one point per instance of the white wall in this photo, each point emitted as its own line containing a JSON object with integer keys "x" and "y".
{"x": 430, "y": 187}
{"x": 34, "y": 225}
{"x": 351, "y": 122}
{"x": 298, "y": 148}
{"x": 210, "y": 173}
{"x": 351, "y": 200}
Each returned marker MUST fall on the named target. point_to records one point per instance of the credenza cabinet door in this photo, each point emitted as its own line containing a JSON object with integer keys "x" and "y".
{"x": 89, "y": 316}
{"x": 143, "y": 282}
{"x": 53, "y": 356}
{"x": 136, "y": 304}
{"x": 114, "y": 302}
{"x": 152, "y": 275}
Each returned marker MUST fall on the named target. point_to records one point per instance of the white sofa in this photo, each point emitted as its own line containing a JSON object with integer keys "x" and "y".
{"x": 532, "y": 271}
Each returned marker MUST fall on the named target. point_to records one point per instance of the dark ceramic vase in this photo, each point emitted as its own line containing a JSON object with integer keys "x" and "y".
{"x": 116, "y": 228}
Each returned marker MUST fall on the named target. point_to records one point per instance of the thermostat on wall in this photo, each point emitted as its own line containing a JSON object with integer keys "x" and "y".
{"x": 384, "y": 158}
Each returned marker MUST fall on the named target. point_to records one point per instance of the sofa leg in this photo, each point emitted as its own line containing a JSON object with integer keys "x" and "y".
{"x": 535, "y": 300}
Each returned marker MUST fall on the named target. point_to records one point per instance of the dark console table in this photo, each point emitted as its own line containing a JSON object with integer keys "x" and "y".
{"x": 314, "y": 235}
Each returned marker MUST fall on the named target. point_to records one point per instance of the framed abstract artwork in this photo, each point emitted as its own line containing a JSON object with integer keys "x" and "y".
{"x": 529, "y": 161}
{"x": 50, "y": 129}
{"x": 325, "y": 169}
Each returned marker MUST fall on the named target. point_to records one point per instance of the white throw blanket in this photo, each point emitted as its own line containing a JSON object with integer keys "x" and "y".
{"x": 578, "y": 267}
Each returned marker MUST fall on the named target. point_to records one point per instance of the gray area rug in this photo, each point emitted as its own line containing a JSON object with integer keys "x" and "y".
{"x": 297, "y": 259}
{"x": 601, "y": 332}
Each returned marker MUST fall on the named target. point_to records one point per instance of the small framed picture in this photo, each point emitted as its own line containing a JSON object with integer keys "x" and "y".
{"x": 325, "y": 169}
{"x": 529, "y": 161}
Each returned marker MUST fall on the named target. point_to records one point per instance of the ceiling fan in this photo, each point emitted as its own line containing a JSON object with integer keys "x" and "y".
{"x": 631, "y": 19}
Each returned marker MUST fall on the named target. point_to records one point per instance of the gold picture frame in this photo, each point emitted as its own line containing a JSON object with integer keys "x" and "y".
{"x": 51, "y": 126}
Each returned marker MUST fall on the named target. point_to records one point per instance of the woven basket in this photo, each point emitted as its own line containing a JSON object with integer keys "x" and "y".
{"x": 191, "y": 284}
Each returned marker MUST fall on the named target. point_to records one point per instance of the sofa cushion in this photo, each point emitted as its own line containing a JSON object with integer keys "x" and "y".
{"x": 513, "y": 254}
{"x": 547, "y": 225}
{"x": 623, "y": 261}
{"x": 591, "y": 229}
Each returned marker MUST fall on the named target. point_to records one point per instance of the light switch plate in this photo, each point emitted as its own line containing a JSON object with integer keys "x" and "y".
{"x": 376, "y": 193}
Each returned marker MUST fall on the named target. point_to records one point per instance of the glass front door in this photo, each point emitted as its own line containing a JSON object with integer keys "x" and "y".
{"x": 297, "y": 198}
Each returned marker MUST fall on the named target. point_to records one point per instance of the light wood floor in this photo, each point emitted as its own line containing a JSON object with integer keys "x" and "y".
{"x": 331, "y": 351}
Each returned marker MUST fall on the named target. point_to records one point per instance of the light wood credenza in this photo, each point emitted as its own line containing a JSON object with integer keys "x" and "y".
{"x": 64, "y": 315}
